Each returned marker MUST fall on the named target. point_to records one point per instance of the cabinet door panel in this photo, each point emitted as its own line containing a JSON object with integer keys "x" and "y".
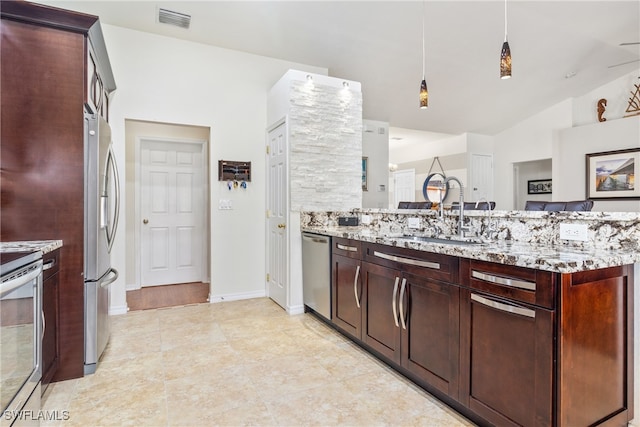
{"x": 430, "y": 343}
{"x": 346, "y": 313}
{"x": 509, "y": 357}
{"x": 380, "y": 331}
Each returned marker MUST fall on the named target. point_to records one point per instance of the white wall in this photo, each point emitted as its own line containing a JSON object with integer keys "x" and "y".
{"x": 375, "y": 146}
{"x": 168, "y": 80}
{"x": 569, "y": 164}
{"x": 531, "y": 139}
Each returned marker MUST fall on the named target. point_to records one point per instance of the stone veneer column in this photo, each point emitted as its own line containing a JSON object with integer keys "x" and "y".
{"x": 325, "y": 137}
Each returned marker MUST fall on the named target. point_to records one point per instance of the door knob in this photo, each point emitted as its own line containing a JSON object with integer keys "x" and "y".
{"x": 145, "y": 221}
{"x": 281, "y": 225}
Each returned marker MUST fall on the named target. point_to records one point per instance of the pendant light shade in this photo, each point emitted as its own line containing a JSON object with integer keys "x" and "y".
{"x": 505, "y": 53}
{"x": 505, "y": 61}
{"x": 424, "y": 95}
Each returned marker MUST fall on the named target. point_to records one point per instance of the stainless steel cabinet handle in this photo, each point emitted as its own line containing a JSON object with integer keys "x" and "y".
{"x": 355, "y": 286}
{"x": 404, "y": 260}
{"x": 514, "y": 283}
{"x": 44, "y": 325}
{"x": 347, "y": 248}
{"x": 504, "y": 307}
{"x": 393, "y": 302}
{"x": 402, "y": 289}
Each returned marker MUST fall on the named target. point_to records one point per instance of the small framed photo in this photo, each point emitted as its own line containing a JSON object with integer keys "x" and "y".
{"x": 611, "y": 174}
{"x": 539, "y": 186}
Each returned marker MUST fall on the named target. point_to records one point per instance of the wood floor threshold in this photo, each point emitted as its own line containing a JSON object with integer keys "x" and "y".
{"x": 165, "y": 296}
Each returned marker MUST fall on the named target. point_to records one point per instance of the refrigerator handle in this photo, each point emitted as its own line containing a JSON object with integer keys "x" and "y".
{"x": 111, "y": 233}
{"x": 112, "y": 279}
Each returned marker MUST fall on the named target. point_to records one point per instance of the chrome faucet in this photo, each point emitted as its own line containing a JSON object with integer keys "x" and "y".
{"x": 461, "y": 227}
{"x": 489, "y": 229}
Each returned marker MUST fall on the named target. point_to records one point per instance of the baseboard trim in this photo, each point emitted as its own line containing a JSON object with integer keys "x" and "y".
{"x": 131, "y": 287}
{"x": 295, "y": 309}
{"x": 236, "y": 297}
{"x": 118, "y": 309}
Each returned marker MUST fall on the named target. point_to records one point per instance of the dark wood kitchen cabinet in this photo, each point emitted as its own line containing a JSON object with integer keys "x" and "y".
{"x": 346, "y": 286}
{"x": 50, "y": 312}
{"x": 411, "y": 312}
{"x": 542, "y": 349}
{"x": 45, "y": 88}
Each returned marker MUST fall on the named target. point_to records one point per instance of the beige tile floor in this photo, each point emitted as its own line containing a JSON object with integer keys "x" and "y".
{"x": 238, "y": 363}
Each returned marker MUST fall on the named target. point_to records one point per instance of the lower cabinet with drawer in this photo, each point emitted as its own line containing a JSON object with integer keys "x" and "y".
{"x": 346, "y": 287}
{"x": 505, "y": 345}
{"x": 403, "y": 305}
{"x": 542, "y": 349}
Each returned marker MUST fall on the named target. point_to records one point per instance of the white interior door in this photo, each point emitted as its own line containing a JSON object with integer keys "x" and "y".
{"x": 481, "y": 184}
{"x": 404, "y": 186}
{"x": 277, "y": 248}
{"x": 171, "y": 209}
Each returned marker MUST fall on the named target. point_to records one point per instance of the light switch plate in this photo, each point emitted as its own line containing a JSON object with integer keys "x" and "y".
{"x": 573, "y": 232}
{"x": 365, "y": 219}
{"x": 413, "y": 222}
{"x": 225, "y": 204}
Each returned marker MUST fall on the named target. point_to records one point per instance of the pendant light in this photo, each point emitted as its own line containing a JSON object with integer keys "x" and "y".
{"x": 424, "y": 94}
{"x": 505, "y": 54}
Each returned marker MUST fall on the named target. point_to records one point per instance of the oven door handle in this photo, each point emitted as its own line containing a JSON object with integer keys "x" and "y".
{"x": 12, "y": 284}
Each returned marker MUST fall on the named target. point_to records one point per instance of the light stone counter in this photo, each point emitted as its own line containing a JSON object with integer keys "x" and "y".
{"x": 44, "y": 246}
{"x": 524, "y": 239}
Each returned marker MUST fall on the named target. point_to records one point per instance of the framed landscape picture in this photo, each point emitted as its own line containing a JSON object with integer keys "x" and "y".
{"x": 539, "y": 186}
{"x": 611, "y": 174}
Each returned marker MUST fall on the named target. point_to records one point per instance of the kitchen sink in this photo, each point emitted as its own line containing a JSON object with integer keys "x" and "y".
{"x": 447, "y": 240}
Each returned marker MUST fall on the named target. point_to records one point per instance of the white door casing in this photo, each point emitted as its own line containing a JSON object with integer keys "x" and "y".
{"x": 277, "y": 208}
{"x": 404, "y": 186}
{"x": 171, "y": 211}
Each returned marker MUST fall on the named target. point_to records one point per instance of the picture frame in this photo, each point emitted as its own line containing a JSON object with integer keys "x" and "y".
{"x": 539, "y": 186}
{"x": 365, "y": 161}
{"x": 611, "y": 174}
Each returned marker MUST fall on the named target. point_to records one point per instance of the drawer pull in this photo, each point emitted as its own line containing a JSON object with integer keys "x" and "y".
{"x": 504, "y": 307}
{"x": 403, "y": 260}
{"x": 347, "y": 248}
{"x": 514, "y": 283}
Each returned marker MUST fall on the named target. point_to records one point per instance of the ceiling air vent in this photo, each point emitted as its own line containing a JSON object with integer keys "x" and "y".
{"x": 174, "y": 18}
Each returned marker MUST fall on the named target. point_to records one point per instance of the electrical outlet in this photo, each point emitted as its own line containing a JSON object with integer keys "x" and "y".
{"x": 365, "y": 219}
{"x": 573, "y": 232}
{"x": 413, "y": 222}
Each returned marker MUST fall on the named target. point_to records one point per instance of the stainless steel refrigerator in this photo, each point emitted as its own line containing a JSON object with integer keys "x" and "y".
{"x": 102, "y": 205}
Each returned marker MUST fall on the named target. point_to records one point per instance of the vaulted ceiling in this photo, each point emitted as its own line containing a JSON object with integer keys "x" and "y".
{"x": 560, "y": 49}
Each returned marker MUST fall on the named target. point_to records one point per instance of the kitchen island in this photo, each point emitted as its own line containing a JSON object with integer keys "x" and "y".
{"x": 522, "y": 329}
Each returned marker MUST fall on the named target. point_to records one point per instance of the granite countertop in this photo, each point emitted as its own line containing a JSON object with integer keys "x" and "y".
{"x": 45, "y": 246}
{"x": 555, "y": 258}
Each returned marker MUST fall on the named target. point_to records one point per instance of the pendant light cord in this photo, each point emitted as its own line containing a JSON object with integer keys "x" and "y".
{"x": 423, "y": 73}
{"x": 505, "y": 20}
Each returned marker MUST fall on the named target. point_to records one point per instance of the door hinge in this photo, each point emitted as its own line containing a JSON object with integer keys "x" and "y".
{"x": 268, "y": 213}
{"x": 268, "y": 150}
{"x": 268, "y": 278}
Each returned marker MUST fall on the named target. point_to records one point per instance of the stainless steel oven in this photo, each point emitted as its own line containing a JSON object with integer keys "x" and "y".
{"x": 21, "y": 326}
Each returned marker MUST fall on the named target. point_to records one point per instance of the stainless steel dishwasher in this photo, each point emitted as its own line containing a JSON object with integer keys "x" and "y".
{"x": 316, "y": 273}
